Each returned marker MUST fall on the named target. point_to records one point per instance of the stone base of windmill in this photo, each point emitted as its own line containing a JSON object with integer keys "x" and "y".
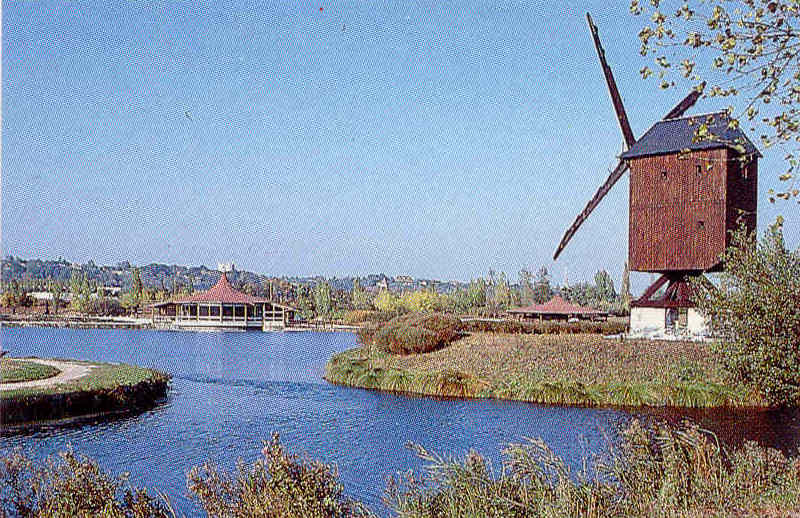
{"x": 679, "y": 323}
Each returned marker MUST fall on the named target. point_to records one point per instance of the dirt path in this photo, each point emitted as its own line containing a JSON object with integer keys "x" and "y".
{"x": 69, "y": 372}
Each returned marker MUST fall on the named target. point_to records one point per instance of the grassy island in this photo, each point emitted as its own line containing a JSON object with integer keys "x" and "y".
{"x": 12, "y": 371}
{"x": 104, "y": 388}
{"x": 564, "y": 369}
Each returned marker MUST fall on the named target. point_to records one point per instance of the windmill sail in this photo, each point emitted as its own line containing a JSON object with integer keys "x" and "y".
{"x": 616, "y": 174}
{"x": 616, "y": 99}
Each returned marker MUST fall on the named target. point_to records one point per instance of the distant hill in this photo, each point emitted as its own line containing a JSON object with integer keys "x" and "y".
{"x": 157, "y": 275}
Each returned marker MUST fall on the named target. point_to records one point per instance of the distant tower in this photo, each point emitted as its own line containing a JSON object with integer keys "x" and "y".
{"x": 225, "y": 267}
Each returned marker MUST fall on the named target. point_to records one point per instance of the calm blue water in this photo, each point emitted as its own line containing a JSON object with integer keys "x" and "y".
{"x": 232, "y": 390}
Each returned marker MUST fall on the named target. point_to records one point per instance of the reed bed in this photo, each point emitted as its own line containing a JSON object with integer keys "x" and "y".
{"x": 651, "y": 471}
{"x": 583, "y": 370}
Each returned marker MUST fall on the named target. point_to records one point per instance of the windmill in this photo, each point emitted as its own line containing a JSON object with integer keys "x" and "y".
{"x": 686, "y": 196}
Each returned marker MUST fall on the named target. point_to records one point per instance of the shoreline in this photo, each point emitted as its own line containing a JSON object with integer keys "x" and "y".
{"x": 90, "y": 388}
{"x": 147, "y": 324}
{"x": 531, "y": 369}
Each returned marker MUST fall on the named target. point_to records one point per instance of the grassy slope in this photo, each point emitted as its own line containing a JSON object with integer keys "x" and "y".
{"x": 13, "y": 370}
{"x": 552, "y": 369}
{"x": 104, "y": 376}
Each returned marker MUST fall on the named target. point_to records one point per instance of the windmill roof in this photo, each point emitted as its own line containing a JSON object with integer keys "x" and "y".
{"x": 674, "y": 135}
{"x": 557, "y": 306}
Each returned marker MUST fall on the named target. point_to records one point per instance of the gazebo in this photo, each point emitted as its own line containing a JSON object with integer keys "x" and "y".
{"x": 556, "y": 309}
{"x": 222, "y": 307}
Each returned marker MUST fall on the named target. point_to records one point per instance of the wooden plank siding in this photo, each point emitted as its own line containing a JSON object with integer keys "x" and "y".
{"x": 742, "y": 196}
{"x": 679, "y": 211}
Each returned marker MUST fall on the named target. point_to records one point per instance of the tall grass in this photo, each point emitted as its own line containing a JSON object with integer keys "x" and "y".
{"x": 654, "y": 472}
{"x": 71, "y": 486}
{"x": 545, "y": 327}
{"x": 281, "y": 485}
{"x": 370, "y": 368}
{"x": 359, "y": 373}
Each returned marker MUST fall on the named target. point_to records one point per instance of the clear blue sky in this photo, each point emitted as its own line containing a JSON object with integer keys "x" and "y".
{"x": 436, "y": 139}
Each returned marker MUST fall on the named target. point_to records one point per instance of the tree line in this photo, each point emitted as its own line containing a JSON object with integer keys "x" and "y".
{"x": 488, "y": 295}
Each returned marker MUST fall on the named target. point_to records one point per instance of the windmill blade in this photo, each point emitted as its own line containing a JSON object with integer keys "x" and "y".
{"x": 686, "y": 103}
{"x": 616, "y": 99}
{"x": 617, "y": 173}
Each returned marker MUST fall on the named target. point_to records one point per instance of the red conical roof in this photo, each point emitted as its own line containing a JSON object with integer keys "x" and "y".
{"x": 222, "y": 293}
{"x": 556, "y": 305}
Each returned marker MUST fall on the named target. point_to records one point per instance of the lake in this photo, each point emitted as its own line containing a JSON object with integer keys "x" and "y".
{"x": 232, "y": 390}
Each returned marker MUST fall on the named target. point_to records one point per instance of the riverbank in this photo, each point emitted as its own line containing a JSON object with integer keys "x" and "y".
{"x": 79, "y": 388}
{"x": 580, "y": 369}
{"x": 89, "y": 322}
{"x": 654, "y": 471}
{"x": 75, "y": 321}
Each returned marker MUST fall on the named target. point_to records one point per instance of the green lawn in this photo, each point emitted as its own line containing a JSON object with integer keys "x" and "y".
{"x": 579, "y": 369}
{"x": 104, "y": 376}
{"x": 13, "y": 370}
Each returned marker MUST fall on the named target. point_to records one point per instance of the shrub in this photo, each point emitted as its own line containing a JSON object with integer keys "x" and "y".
{"x": 280, "y": 486}
{"x": 412, "y": 333}
{"x": 546, "y": 327}
{"x": 422, "y": 300}
{"x": 756, "y": 312}
{"x": 68, "y": 486}
{"x": 362, "y": 316}
{"x": 387, "y": 302}
{"x": 656, "y": 471}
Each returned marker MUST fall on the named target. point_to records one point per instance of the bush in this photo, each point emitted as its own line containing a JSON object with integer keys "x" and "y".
{"x": 657, "y": 471}
{"x": 280, "y": 486}
{"x": 544, "y": 328}
{"x": 413, "y": 333}
{"x": 68, "y": 487}
{"x": 362, "y": 316}
{"x": 654, "y": 471}
{"x": 756, "y": 312}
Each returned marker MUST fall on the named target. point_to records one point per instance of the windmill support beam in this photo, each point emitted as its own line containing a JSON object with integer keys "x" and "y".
{"x": 678, "y": 293}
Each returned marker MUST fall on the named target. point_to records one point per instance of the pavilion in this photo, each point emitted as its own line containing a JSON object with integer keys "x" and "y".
{"x": 222, "y": 307}
{"x": 556, "y": 309}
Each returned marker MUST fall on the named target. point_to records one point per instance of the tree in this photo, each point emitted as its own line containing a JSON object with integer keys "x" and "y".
{"x": 81, "y": 292}
{"x": 55, "y": 291}
{"x": 582, "y": 293}
{"x": 136, "y": 284}
{"x": 604, "y": 287}
{"x": 426, "y": 301}
{"x": 756, "y": 312}
{"x": 729, "y": 48}
{"x": 626, "y": 288}
{"x": 305, "y": 303}
{"x": 542, "y": 291}
{"x": 502, "y": 297}
{"x": 360, "y": 299}
{"x": 477, "y": 293}
{"x": 322, "y": 299}
{"x": 526, "y": 284}
{"x": 387, "y": 302}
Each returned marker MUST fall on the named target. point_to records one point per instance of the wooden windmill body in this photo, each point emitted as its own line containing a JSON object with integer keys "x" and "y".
{"x": 686, "y": 196}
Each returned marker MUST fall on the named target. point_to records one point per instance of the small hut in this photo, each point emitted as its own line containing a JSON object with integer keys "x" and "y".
{"x": 556, "y": 309}
{"x": 222, "y": 307}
